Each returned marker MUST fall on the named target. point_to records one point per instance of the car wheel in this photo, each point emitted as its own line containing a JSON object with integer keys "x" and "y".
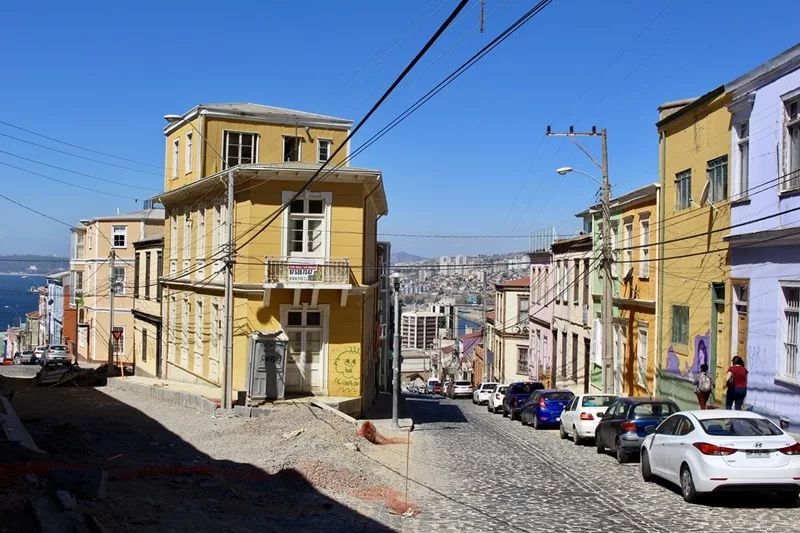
{"x": 788, "y": 499}
{"x": 561, "y": 432}
{"x": 576, "y": 438}
{"x": 599, "y": 444}
{"x": 622, "y": 456}
{"x": 687, "y": 485}
{"x": 513, "y": 416}
{"x": 473, "y": 401}
{"x": 489, "y": 408}
{"x": 535, "y": 422}
{"x": 647, "y": 473}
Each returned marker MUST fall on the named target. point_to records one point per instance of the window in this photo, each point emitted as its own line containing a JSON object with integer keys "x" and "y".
{"x": 136, "y": 264}
{"x": 159, "y": 267}
{"x": 118, "y": 280}
{"x": 198, "y": 334}
{"x": 304, "y": 329}
{"x": 89, "y": 237}
{"x": 684, "y": 426}
{"x": 147, "y": 275}
{"x": 176, "y": 150}
{"x": 557, "y": 282}
{"x": 683, "y": 189}
{"x": 644, "y": 250}
{"x": 185, "y": 332}
{"x": 118, "y": 333}
{"x": 171, "y": 332}
{"x": 188, "y": 162}
{"x": 79, "y": 246}
{"x": 576, "y": 286}
{"x": 627, "y": 245}
{"x": 200, "y": 254}
{"x": 744, "y": 159}
{"x": 791, "y": 311}
{"x": 641, "y": 356}
{"x": 575, "y": 357}
{"x": 614, "y": 248}
{"x": 173, "y": 244}
{"x": 144, "y": 345}
{"x": 522, "y": 359}
{"x": 546, "y": 282}
{"x": 564, "y": 354}
{"x": 119, "y": 236}
{"x": 566, "y": 284}
{"x": 240, "y": 148}
{"x": 669, "y": 426}
{"x": 792, "y": 179}
{"x": 680, "y": 324}
{"x": 523, "y": 304}
{"x": 717, "y": 172}
{"x": 78, "y": 281}
{"x": 324, "y": 150}
{"x": 291, "y": 148}
{"x": 586, "y": 278}
{"x": 307, "y": 226}
{"x": 187, "y": 241}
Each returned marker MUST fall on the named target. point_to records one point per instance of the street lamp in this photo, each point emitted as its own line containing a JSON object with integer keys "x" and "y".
{"x": 563, "y": 171}
{"x": 396, "y": 354}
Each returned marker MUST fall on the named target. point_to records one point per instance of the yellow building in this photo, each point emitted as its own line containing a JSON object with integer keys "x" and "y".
{"x": 694, "y": 139}
{"x": 93, "y": 242}
{"x": 311, "y": 273}
{"x": 146, "y": 338}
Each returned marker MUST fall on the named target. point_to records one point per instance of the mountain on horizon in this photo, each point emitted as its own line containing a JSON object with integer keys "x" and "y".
{"x": 33, "y": 264}
{"x": 404, "y": 257}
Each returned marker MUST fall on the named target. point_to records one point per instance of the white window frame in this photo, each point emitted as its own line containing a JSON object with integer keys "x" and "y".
{"x": 789, "y": 369}
{"x": 185, "y": 332}
{"x": 114, "y": 233}
{"x": 743, "y": 160}
{"x": 627, "y": 245}
{"x": 327, "y": 198}
{"x": 225, "y": 145}
{"x": 641, "y": 354}
{"x": 187, "y": 241}
{"x": 173, "y": 244}
{"x": 683, "y": 201}
{"x": 644, "y": 243}
{"x": 791, "y": 180}
{"x": 176, "y": 152}
{"x": 119, "y": 343}
{"x": 89, "y": 237}
{"x": 188, "y": 162}
{"x": 173, "y": 315}
{"x": 325, "y": 312}
{"x": 200, "y": 253}
{"x": 329, "y": 144}
{"x": 122, "y": 282}
{"x": 299, "y": 148}
{"x": 714, "y": 193}
{"x": 615, "y": 248}
{"x": 219, "y": 234}
{"x": 199, "y": 322}
{"x": 215, "y": 339}
{"x": 79, "y": 251}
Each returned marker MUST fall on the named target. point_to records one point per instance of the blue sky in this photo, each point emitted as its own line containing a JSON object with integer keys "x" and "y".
{"x": 472, "y": 161}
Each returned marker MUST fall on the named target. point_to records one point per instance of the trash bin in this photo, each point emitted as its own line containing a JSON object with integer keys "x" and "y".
{"x": 266, "y": 366}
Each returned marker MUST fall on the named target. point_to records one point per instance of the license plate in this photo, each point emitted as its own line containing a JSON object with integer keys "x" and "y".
{"x": 757, "y": 455}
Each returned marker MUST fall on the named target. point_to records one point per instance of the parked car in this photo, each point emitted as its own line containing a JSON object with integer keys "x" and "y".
{"x": 8, "y": 358}
{"x": 437, "y": 388}
{"x": 25, "y": 357}
{"x": 581, "y": 416}
{"x": 626, "y": 423}
{"x": 56, "y": 354}
{"x": 429, "y": 387}
{"x": 719, "y": 450}
{"x": 38, "y": 353}
{"x": 495, "y": 403}
{"x": 544, "y": 407}
{"x": 483, "y": 391}
{"x": 516, "y": 396}
{"x": 446, "y": 388}
{"x": 460, "y": 389}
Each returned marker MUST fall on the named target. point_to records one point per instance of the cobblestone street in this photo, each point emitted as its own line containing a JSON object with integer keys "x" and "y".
{"x": 488, "y": 472}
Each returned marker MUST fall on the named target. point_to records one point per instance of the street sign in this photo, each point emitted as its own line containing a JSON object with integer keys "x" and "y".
{"x": 117, "y": 333}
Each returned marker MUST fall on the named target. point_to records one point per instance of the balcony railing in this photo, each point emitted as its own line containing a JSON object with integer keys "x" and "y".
{"x": 302, "y": 270}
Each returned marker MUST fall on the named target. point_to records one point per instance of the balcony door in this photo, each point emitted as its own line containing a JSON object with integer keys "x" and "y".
{"x": 306, "y": 358}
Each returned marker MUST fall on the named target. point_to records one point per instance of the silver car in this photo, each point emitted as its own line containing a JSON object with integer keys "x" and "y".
{"x": 461, "y": 389}
{"x": 25, "y": 357}
{"x": 56, "y": 354}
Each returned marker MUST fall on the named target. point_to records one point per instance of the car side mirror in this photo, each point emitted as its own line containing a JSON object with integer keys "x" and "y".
{"x": 600, "y": 415}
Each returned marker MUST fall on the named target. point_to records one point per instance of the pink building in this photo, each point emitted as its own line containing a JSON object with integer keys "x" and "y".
{"x": 540, "y": 315}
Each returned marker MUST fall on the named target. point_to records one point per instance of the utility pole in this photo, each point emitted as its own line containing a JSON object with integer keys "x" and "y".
{"x": 396, "y": 354}
{"x": 487, "y": 375}
{"x": 607, "y": 259}
{"x": 227, "y": 382}
{"x": 112, "y": 291}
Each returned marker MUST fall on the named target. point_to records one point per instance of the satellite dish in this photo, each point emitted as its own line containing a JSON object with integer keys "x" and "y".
{"x": 704, "y": 194}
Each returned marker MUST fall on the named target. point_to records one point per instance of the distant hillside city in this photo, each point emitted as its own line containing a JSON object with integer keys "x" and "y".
{"x": 41, "y": 265}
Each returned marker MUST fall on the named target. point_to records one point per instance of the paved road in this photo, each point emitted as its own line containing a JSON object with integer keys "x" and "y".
{"x": 490, "y": 473}
{"x": 19, "y": 371}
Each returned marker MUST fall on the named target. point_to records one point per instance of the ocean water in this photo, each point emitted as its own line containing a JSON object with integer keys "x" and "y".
{"x": 14, "y": 294}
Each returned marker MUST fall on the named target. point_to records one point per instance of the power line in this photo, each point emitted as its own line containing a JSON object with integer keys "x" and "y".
{"x": 67, "y": 183}
{"x": 32, "y": 210}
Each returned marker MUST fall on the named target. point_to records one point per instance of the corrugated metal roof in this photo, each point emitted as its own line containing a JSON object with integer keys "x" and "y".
{"x": 267, "y": 111}
{"x": 144, "y": 214}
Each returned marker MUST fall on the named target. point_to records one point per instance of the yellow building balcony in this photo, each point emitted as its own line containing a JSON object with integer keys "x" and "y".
{"x": 307, "y": 273}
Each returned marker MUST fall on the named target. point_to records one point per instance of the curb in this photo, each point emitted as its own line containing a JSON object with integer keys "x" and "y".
{"x": 163, "y": 393}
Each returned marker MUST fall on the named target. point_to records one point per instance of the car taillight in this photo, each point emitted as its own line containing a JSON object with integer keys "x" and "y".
{"x": 587, "y": 416}
{"x": 712, "y": 449}
{"x": 542, "y": 403}
{"x": 794, "y": 449}
{"x": 515, "y": 401}
{"x": 628, "y": 426}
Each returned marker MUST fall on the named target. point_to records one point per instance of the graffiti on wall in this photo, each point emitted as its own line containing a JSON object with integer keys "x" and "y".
{"x": 702, "y": 345}
{"x": 347, "y": 370}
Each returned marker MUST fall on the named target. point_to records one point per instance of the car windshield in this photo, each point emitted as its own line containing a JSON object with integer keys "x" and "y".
{"x": 463, "y": 383}
{"x": 526, "y": 388}
{"x": 655, "y": 409}
{"x": 503, "y": 389}
{"x": 740, "y": 427}
{"x": 557, "y": 396}
{"x": 58, "y": 348}
{"x": 597, "y": 401}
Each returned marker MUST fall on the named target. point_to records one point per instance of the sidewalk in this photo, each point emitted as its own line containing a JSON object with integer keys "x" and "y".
{"x": 195, "y": 395}
{"x": 380, "y": 414}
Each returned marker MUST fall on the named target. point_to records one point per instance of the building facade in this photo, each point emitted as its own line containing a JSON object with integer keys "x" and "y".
{"x": 57, "y": 284}
{"x": 418, "y": 329}
{"x": 570, "y": 366}
{"x": 307, "y": 261}
{"x": 92, "y": 278}
{"x": 541, "y": 315}
{"x": 147, "y": 342}
{"x": 694, "y": 282}
{"x": 510, "y": 336}
{"x": 385, "y": 317}
{"x": 765, "y": 234}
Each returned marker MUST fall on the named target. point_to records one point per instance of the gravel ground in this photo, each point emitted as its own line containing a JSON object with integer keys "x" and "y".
{"x": 172, "y": 468}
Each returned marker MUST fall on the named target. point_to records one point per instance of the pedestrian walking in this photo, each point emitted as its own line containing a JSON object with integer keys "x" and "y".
{"x": 736, "y": 380}
{"x": 703, "y": 385}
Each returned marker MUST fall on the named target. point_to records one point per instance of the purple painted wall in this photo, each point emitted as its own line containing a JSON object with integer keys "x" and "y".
{"x": 541, "y": 316}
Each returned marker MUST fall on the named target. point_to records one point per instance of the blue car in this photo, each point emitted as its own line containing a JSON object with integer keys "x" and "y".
{"x": 516, "y": 396}
{"x": 544, "y": 407}
{"x": 628, "y": 421}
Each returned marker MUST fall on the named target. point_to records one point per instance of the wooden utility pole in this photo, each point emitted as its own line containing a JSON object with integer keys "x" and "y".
{"x": 111, "y": 292}
{"x": 227, "y": 382}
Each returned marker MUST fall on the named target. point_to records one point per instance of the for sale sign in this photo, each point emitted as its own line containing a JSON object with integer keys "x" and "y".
{"x": 305, "y": 271}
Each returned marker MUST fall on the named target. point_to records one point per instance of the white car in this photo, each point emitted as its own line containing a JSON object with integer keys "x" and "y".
{"x": 582, "y": 414}
{"x": 483, "y": 391}
{"x": 495, "y": 402}
{"x": 719, "y": 450}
